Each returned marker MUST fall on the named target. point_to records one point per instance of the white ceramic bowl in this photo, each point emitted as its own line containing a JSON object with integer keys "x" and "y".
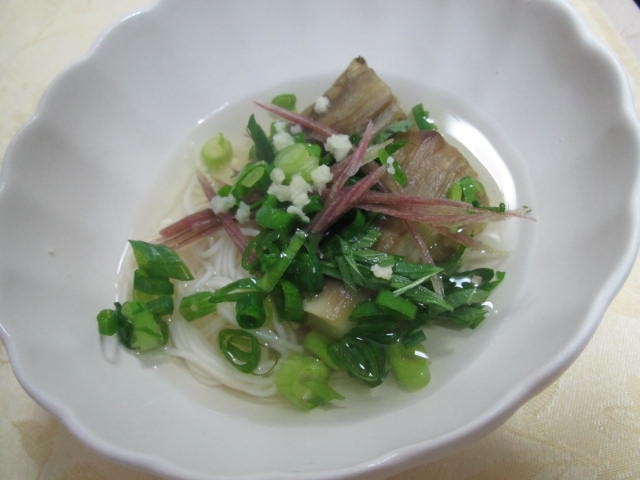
{"x": 522, "y": 84}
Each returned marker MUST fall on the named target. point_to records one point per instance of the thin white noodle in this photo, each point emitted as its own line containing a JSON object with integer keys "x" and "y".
{"x": 187, "y": 200}
{"x": 199, "y": 355}
{"x": 213, "y": 248}
{"x": 278, "y": 327}
{"x": 282, "y": 345}
{"x": 197, "y": 368}
{"x": 227, "y": 311}
{"x": 215, "y": 262}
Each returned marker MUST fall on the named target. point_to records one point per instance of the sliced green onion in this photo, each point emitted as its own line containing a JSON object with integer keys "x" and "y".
{"x": 139, "y": 328}
{"x": 162, "y": 305}
{"x": 107, "y": 322}
{"x": 410, "y": 366}
{"x": 197, "y": 305}
{"x": 264, "y": 243}
{"x": 380, "y": 330}
{"x": 253, "y": 177}
{"x": 242, "y": 285}
{"x": 286, "y": 101}
{"x": 225, "y": 190}
{"x": 263, "y": 148}
{"x": 466, "y": 189}
{"x": 234, "y": 291}
{"x": 471, "y": 189}
{"x": 295, "y": 159}
{"x": 413, "y": 338}
{"x": 455, "y": 192}
{"x": 289, "y": 302}
{"x": 240, "y": 348}
{"x": 306, "y": 271}
{"x": 368, "y": 309}
{"x": 139, "y": 296}
{"x": 361, "y": 358}
{"x": 304, "y": 382}
{"x": 272, "y": 215}
{"x": 159, "y": 261}
{"x": 313, "y": 149}
{"x": 143, "y": 282}
{"x": 315, "y": 205}
{"x": 273, "y": 275}
{"x": 318, "y": 344}
{"x": 216, "y": 153}
{"x": 250, "y": 311}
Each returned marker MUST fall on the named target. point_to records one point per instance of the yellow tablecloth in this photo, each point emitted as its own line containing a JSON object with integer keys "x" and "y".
{"x": 586, "y": 425}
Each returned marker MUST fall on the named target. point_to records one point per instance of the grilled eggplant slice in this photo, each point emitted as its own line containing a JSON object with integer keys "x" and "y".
{"x": 432, "y": 165}
{"x": 358, "y": 96}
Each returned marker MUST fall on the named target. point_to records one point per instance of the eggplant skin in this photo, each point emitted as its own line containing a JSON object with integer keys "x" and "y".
{"x": 356, "y": 97}
{"x": 432, "y": 165}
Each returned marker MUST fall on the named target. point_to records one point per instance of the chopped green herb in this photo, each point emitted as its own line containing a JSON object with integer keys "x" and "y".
{"x": 421, "y": 117}
{"x": 398, "y": 304}
{"x": 400, "y": 126}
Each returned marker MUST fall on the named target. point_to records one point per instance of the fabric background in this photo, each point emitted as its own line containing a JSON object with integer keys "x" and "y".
{"x": 584, "y": 426}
